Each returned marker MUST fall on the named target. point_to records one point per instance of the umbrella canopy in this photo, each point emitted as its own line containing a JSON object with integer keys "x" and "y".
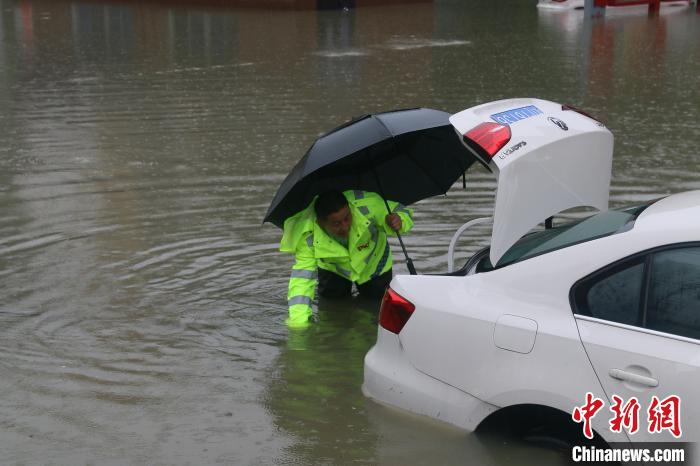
{"x": 404, "y": 155}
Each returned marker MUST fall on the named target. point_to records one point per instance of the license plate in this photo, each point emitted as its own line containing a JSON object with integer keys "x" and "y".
{"x": 511, "y": 116}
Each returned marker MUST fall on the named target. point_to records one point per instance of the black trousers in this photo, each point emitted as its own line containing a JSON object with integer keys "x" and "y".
{"x": 331, "y": 285}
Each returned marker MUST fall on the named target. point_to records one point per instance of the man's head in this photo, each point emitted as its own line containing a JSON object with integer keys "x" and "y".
{"x": 333, "y": 213}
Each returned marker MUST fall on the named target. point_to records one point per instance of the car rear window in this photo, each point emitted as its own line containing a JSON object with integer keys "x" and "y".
{"x": 541, "y": 242}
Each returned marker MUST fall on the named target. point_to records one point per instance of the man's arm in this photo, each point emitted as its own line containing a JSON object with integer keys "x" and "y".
{"x": 302, "y": 285}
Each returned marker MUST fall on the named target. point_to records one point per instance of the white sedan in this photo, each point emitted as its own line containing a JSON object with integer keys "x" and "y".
{"x": 574, "y": 320}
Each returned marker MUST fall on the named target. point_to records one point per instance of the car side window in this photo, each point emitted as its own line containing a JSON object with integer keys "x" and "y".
{"x": 614, "y": 295}
{"x": 673, "y": 303}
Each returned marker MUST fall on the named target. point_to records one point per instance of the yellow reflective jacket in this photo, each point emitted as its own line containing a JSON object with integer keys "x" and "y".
{"x": 367, "y": 256}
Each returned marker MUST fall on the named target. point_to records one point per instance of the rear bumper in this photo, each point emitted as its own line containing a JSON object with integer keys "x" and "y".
{"x": 391, "y": 379}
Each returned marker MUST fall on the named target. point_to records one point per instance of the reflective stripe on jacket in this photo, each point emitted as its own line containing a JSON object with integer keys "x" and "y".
{"x": 367, "y": 256}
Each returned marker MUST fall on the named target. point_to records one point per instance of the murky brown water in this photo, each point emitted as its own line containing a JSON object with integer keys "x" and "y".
{"x": 142, "y": 302}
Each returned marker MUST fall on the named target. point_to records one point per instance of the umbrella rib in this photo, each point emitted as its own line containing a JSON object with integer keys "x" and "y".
{"x": 391, "y": 135}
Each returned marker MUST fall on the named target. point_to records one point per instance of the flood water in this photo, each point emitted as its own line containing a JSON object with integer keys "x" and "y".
{"x": 142, "y": 303}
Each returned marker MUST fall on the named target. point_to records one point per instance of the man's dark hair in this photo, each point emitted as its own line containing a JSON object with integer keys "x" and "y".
{"x": 328, "y": 203}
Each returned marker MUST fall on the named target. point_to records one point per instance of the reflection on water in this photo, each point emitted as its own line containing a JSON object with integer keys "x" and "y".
{"x": 143, "y": 303}
{"x": 314, "y": 391}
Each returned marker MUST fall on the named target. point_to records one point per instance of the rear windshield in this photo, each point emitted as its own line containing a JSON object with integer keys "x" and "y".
{"x": 580, "y": 231}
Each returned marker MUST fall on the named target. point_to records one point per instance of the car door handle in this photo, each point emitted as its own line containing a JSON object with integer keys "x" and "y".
{"x": 619, "y": 374}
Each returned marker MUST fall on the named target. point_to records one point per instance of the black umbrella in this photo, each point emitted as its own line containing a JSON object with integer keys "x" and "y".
{"x": 404, "y": 155}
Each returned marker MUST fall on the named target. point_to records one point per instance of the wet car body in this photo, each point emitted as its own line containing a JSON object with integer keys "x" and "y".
{"x": 596, "y": 306}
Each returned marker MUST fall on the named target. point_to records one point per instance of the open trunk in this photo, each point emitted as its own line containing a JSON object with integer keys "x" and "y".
{"x": 547, "y": 158}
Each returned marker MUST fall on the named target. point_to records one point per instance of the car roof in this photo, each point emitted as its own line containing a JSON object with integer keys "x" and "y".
{"x": 680, "y": 210}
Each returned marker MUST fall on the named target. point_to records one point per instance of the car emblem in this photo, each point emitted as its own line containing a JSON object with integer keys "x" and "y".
{"x": 559, "y": 123}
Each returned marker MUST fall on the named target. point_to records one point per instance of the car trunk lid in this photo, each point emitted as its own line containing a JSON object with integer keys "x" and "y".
{"x": 555, "y": 159}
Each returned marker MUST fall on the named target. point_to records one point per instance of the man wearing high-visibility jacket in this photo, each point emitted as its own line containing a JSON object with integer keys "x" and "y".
{"x": 338, "y": 240}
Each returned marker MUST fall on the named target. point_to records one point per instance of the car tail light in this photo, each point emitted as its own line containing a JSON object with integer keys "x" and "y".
{"x": 395, "y": 311}
{"x": 577, "y": 110}
{"x": 491, "y": 137}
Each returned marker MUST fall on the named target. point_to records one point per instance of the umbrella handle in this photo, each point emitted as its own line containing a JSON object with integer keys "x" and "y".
{"x": 409, "y": 262}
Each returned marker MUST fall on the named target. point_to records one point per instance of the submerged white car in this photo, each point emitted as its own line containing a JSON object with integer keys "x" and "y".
{"x": 605, "y": 308}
